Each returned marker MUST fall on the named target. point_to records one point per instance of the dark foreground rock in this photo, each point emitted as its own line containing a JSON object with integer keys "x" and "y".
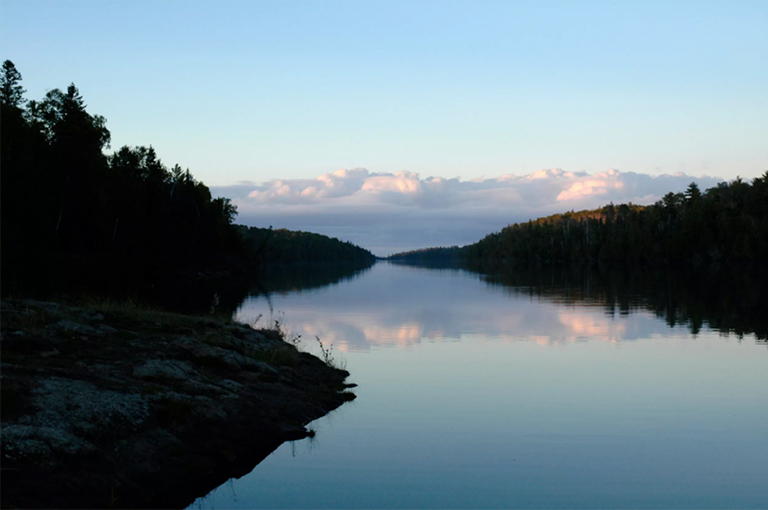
{"x": 114, "y": 407}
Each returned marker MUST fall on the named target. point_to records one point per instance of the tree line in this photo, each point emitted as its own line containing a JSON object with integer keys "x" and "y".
{"x": 432, "y": 257}
{"x": 727, "y": 223}
{"x": 267, "y": 246}
{"x": 74, "y": 216}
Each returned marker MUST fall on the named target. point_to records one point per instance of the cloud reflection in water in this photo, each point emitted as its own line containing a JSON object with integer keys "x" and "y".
{"x": 395, "y": 306}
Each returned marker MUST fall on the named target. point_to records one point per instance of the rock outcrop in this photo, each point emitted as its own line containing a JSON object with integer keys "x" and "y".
{"x": 120, "y": 407}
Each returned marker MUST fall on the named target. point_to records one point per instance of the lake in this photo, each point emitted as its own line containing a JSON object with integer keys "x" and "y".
{"x": 522, "y": 392}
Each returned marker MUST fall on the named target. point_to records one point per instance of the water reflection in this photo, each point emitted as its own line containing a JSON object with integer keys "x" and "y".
{"x": 403, "y": 306}
{"x": 728, "y": 301}
{"x": 223, "y": 294}
{"x": 521, "y": 391}
{"x": 298, "y": 277}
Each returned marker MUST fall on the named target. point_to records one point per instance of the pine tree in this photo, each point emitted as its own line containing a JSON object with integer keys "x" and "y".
{"x": 11, "y": 93}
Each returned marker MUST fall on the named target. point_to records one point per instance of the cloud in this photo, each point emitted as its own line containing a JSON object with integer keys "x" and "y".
{"x": 389, "y": 212}
{"x": 600, "y": 185}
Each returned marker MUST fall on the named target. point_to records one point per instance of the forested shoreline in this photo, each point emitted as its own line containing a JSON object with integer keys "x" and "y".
{"x": 74, "y": 217}
{"x": 726, "y": 224}
{"x": 280, "y": 246}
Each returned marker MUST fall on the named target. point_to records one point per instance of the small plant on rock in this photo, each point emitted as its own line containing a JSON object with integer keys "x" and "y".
{"x": 296, "y": 342}
{"x": 326, "y": 354}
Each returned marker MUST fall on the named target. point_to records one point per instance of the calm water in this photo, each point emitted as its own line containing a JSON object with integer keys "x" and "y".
{"x": 480, "y": 395}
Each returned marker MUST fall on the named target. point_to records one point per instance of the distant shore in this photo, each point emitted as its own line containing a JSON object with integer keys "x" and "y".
{"x": 116, "y": 406}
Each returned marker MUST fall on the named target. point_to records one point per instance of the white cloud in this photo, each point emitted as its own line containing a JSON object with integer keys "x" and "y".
{"x": 583, "y": 189}
{"x": 388, "y": 212}
{"x": 402, "y": 182}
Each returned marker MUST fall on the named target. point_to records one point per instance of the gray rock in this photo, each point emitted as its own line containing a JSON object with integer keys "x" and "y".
{"x": 230, "y": 385}
{"x": 200, "y": 388}
{"x": 81, "y": 407}
{"x": 164, "y": 369}
{"x": 41, "y": 443}
{"x": 232, "y": 359}
{"x": 208, "y": 409}
{"x": 75, "y": 328}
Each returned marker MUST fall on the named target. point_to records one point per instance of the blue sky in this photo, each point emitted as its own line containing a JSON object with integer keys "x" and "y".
{"x": 261, "y": 91}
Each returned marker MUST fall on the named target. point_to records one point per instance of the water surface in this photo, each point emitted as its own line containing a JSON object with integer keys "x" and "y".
{"x": 479, "y": 392}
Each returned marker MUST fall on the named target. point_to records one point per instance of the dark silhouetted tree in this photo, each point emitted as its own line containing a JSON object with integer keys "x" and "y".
{"x": 72, "y": 216}
{"x": 11, "y": 92}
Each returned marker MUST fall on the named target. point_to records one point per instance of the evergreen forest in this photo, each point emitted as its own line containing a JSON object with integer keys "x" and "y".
{"x": 726, "y": 224}
{"x": 280, "y": 246}
{"x": 76, "y": 217}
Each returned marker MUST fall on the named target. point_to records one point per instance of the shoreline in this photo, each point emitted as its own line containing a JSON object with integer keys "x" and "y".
{"x": 114, "y": 407}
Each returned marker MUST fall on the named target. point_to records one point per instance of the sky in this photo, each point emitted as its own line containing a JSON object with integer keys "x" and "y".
{"x": 250, "y": 94}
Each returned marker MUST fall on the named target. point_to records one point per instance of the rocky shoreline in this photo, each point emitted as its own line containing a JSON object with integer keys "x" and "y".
{"x": 117, "y": 407}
